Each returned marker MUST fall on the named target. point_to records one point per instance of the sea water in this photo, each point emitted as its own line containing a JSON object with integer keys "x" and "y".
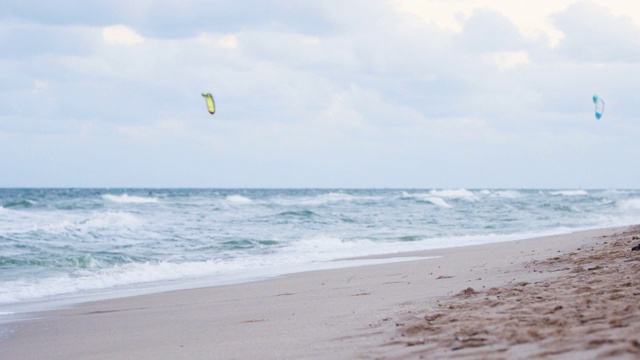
{"x": 68, "y": 243}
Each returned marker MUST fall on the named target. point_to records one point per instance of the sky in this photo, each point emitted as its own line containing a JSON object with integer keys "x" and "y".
{"x": 320, "y": 94}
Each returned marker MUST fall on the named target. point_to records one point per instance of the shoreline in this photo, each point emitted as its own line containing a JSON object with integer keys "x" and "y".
{"x": 336, "y": 313}
{"x": 24, "y": 310}
{"x": 18, "y": 311}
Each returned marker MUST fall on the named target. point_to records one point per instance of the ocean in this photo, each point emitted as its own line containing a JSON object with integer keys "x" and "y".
{"x": 60, "y": 245}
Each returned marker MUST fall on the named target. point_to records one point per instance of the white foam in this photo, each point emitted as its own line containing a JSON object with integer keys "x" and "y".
{"x": 111, "y": 220}
{"x": 238, "y": 199}
{"x": 322, "y": 199}
{"x": 297, "y": 256}
{"x": 300, "y": 255}
{"x": 134, "y": 273}
{"x": 569, "y": 193}
{"x": 126, "y": 199}
{"x": 95, "y": 221}
{"x": 331, "y": 197}
{"x": 327, "y": 248}
{"x": 435, "y": 200}
{"x": 507, "y": 194}
{"x": 455, "y": 194}
{"x": 630, "y": 204}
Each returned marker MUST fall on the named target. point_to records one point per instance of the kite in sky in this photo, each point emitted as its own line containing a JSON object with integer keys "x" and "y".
{"x": 599, "y": 103}
{"x": 211, "y": 105}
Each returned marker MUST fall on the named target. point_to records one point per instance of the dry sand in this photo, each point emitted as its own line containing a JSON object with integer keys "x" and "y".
{"x": 589, "y": 309}
{"x": 569, "y": 296}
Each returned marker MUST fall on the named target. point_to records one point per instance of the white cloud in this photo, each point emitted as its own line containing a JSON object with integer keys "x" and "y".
{"x": 531, "y": 18}
{"x": 593, "y": 33}
{"x": 229, "y": 42}
{"x": 511, "y": 59}
{"x": 488, "y": 30}
{"x": 630, "y": 9}
{"x": 121, "y": 35}
{"x": 445, "y": 14}
{"x": 310, "y": 40}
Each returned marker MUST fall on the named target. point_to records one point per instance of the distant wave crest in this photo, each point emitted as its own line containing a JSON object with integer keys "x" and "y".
{"x": 238, "y": 199}
{"x": 569, "y": 193}
{"x": 455, "y": 194}
{"x": 435, "y": 200}
{"x": 507, "y": 194}
{"x": 129, "y": 199}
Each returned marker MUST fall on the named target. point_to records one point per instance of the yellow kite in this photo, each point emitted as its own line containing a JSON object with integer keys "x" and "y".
{"x": 211, "y": 105}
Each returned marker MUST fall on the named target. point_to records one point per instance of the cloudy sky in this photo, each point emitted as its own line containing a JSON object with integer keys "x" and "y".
{"x": 346, "y": 93}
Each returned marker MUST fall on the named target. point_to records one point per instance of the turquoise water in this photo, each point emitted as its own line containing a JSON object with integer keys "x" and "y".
{"x": 57, "y": 243}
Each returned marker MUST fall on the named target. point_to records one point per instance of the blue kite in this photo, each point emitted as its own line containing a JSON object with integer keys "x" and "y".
{"x": 599, "y": 103}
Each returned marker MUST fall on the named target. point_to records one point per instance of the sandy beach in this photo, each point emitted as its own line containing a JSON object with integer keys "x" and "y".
{"x": 570, "y": 296}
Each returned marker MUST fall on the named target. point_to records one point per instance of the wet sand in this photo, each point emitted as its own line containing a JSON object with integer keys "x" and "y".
{"x": 569, "y": 296}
